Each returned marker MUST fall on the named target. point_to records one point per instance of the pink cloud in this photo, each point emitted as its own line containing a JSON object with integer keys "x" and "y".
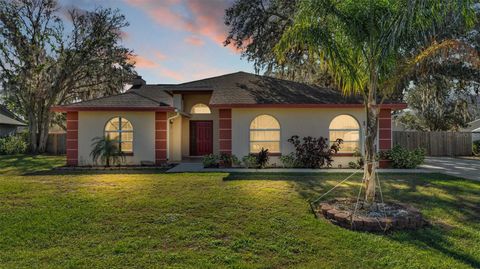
{"x": 165, "y": 72}
{"x": 199, "y": 17}
{"x": 142, "y": 62}
{"x": 194, "y": 41}
{"x": 160, "y": 56}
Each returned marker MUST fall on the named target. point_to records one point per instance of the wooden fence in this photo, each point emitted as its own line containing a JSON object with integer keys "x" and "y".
{"x": 57, "y": 143}
{"x": 436, "y": 143}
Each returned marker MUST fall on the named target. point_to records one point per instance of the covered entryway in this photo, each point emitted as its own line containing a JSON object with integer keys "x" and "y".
{"x": 201, "y": 138}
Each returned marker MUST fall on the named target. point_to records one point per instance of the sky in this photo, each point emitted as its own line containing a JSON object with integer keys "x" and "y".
{"x": 174, "y": 40}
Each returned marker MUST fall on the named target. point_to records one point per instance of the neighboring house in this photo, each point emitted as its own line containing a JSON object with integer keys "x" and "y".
{"x": 237, "y": 113}
{"x": 474, "y": 128}
{"x": 9, "y": 123}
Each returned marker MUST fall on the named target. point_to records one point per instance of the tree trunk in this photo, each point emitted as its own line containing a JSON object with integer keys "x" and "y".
{"x": 33, "y": 131}
{"x": 371, "y": 111}
{"x": 43, "y": 132}
{"x": 369, "y": 175}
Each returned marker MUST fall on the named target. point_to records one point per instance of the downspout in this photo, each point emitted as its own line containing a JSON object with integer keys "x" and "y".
{"x": 168, "y": 132}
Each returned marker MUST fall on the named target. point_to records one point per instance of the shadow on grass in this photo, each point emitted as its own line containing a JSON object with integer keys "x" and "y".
{"x": 28, "y": 164}
{"x": 60, "y": 172}
{"x": 446, "y": 199}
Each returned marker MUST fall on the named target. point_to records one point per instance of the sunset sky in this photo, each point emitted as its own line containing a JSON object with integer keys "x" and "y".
{"x": 175, "y": 40}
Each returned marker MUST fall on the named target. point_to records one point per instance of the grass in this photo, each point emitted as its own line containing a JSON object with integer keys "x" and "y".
{"x": 211, "y": 220}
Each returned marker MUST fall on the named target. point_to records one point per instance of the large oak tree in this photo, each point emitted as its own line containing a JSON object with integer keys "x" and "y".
{"x": 49, "y": 56}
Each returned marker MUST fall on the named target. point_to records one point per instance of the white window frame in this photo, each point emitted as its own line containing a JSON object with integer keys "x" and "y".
{"x": 119, "y": 131}
{"x": 209, "y": 110}
{"x": 265, "y": 129}
{"x": 346, "y": 130}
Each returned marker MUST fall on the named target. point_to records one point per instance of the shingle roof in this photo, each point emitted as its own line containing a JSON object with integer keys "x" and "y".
{"x": 134, "y": 99}
{"x": 236, "y": 88}
{"x": 8, "y": 118}
{"x": 246, "y": 88}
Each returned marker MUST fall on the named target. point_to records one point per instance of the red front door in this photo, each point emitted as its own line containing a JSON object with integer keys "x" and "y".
{"x": 201, "y": 138}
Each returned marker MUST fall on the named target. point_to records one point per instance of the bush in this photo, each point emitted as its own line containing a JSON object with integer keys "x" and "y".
{"x": 250, "y": 161}
{"x": 476, "y": 147}
{"x": 404, "y": 158}
{"x": 359, "y": 162}
{"x": 15, "y": 144}
{"x": 314, "y": 152}
{"x": 210, "y": 161}
{"x": 229, "y": 160}
{"x": 262, "y": 158}
{"x": 288, "y": 161}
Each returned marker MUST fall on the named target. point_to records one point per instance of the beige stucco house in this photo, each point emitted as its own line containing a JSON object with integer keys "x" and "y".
{"x": 237, "y": 113}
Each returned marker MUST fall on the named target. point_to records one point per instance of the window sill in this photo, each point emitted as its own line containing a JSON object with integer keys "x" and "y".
{"x": 128, "y": 154}
{"x": 345, "y": 154}
{"x": 274, "y": 154}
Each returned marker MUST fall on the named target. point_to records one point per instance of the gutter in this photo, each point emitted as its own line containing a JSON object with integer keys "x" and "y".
{"x": 177, "y": 114}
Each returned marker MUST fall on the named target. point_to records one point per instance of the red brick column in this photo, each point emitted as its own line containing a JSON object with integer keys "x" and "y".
{"x": 160, "y": 137}
{"x": 225, "y": 129}
{"x": 385, "y": 133}
{"x": 72, "y": 138}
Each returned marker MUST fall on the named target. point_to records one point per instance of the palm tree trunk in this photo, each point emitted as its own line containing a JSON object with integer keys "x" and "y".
{"x": 371, "y": 111}
{"x": 369, "y": 174}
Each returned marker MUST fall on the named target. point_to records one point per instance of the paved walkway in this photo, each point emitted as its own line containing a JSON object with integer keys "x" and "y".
{"x": 198, "y": 167}
{"x": 466, "y": 168}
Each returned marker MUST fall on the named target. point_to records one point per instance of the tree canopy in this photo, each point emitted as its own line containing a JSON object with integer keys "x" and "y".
{"x": 43, "y": 64}
{"x": 374, "y": 48}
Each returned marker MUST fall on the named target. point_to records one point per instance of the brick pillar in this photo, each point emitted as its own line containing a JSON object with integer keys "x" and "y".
{"x": 225, "y": 129}
{"x": 72, "y": 138}
{"x": 160, "y": 137}
{"x": 385, "y": 133}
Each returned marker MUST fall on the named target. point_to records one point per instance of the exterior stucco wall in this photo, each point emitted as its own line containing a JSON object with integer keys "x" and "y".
{"x": 92, "y": 124}
{"x": 189, "y": 100}
{"x": 293, "y": 121}
{"x": 175, "y": 137}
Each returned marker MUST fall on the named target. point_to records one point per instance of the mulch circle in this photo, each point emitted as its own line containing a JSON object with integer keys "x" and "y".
{"x": 378, "y": 217}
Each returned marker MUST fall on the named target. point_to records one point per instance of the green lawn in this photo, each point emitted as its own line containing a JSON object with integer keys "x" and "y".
{"x": 220, "y": 220}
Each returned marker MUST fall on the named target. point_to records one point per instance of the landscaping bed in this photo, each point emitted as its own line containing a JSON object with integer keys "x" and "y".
{"x": 376, "y": 217}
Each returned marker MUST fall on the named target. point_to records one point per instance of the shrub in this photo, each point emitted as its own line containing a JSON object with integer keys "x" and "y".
{"x": 476, "y": 147}
{"x": 314, "y": 152}
{"x": 229, "y": 159}
{"x": 359, "y": 162}
{"x": 404, "y": 158}
{"x": 107, "y": 151}
{"x": 262, "y": 158}
{"x": 210, "y": 161}
{"x": 288, "y": 161}
{"x": 250, "y": 161}
{"x": 15, "y": 144}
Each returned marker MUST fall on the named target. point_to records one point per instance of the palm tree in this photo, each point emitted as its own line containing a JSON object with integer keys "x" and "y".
{"x": 107, "y": 150}
{"x": 372, "y": 47}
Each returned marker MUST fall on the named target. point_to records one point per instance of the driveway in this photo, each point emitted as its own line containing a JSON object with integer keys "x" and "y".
{"x": 466, "y": 168}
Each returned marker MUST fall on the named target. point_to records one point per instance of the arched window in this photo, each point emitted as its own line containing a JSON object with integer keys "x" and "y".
{"x": 347, "y": 128}
{"x": 120, "y": 129}
{"x": 200, "y": 109}
{"x": 265, "y": 133}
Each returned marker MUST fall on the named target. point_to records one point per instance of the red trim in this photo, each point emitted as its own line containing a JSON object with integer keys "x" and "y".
{"x": 225, "y": 131}
{"x": 390, "y": 106}
{"x": 72, "y": 139}
{"x": 113, "y": 108}
{"x": 225, "y": 124}
{"x": 160, "y": 138}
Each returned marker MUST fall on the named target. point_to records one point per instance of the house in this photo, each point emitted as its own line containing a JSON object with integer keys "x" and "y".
{"x": 9, "y": 123}
{"x": 474, "y": 128}
{"x": 237, "y": 113}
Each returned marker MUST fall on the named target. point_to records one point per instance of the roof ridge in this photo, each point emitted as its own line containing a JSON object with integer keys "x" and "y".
{"x": 203, "y": 79}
